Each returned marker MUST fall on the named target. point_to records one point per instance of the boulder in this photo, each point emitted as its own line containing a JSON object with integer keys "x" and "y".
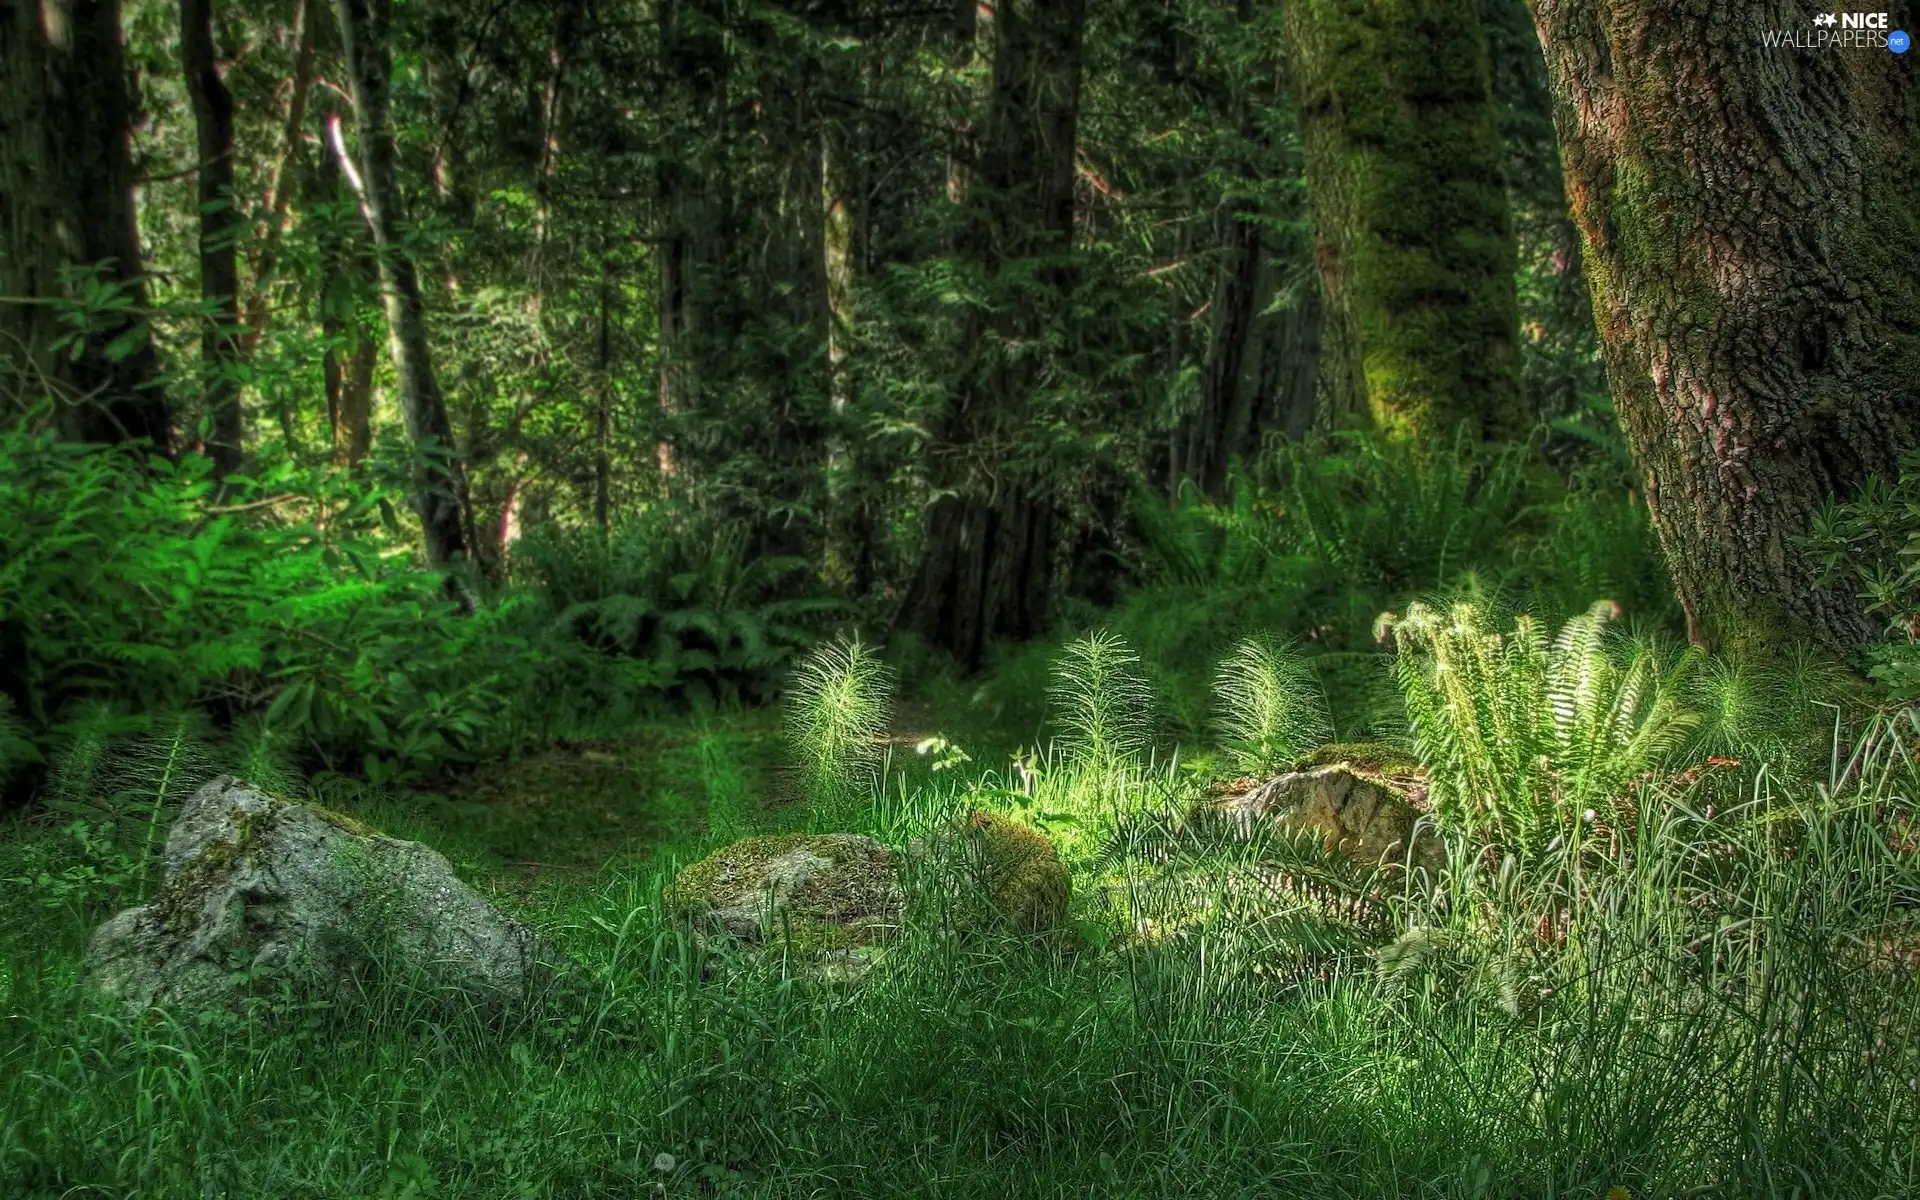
{"x": 836, "y": 900}
{"x": 1367, "y": 805}
{"x": 259, "y": 886}
{"x": 813, "y": 894}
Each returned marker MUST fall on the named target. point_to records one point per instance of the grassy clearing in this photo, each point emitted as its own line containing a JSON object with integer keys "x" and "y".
{"x": 1705, "y": 991}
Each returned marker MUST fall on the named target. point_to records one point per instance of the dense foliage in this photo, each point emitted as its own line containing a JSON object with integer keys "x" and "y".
{"x": 582, "y": 434}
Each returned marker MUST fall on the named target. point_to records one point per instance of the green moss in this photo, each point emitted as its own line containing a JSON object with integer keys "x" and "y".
{"x": 1403, "y": 157}
{"x": 344, "y": 823}
{"x": 204, "y": 871}
{"x": 1026, "y": 885}
{"x": 813, "y": 937}
{"x": 1367, "y": 758}
{"x": 831, "y": 910}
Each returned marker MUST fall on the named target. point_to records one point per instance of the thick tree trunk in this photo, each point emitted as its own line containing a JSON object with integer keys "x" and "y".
{"x": 66, "y": 201}
{"x": 1409, "y": 208}
{"x": 1750, "y": 215}
{"x": 219, "y": 234}
{"x": 987, "y": 562}
{"x": 440, "y": 484}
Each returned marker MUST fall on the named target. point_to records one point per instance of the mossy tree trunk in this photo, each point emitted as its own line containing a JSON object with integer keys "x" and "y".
{"x": 986, "y": 564}
{"x": 1409, "y": 207}
{"x": 1751, "y": 217}
{"x": 66, "y": 202}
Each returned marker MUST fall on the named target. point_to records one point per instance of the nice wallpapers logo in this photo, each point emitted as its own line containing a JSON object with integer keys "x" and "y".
{"x": 1841, "y": 31}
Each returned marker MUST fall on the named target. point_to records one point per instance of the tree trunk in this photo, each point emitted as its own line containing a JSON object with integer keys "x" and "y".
{"x": 604, "y": 395}
{"x": 552, "y": 106}
{"x": 440, "y": 484}
{"x": 66, "y": 201}
{"x": 987, "y": 562}
{"x": 219, "y": 234}
{"x": 1262, "y": 364}
{"x": 280, "y": 186}
{"x": 697, "y": 304}
{"x": 1750, "y": 215}
{"x": 1409, "y": 208}
{"x": 448, "y": 92}
{"x": 348, "y": 363}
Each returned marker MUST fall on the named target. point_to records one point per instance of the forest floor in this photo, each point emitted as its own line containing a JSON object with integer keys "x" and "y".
{"x": 1002, "y": 1069}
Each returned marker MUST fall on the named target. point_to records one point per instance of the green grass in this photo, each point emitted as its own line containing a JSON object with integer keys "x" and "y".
{"x": 1681, "y": 1004}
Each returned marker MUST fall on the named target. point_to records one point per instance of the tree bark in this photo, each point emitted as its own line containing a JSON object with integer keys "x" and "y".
{"x": 66, "y": 201}
{"x": 219, "y": 234}
{"x": 1750, "y": 216}
{"x": 1409, "y": 207}
{"x": 987, "y": 561}
{"x": 440, "y": 483}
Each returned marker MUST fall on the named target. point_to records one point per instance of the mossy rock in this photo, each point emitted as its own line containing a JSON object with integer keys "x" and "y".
{"x": 1376, "y": 761}
{"x": 809, "y": 894}
{"x": 1365, "y": 799}
{"x": 1002, "y": 876}
{"x": 318, "y": 899}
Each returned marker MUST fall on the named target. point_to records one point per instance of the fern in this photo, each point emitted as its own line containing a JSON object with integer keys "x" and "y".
{"x": 1268, "y": 705}
{"x": 1102, "y": 702}
{"x": 837, "y": 712}
{"x": 1521, "y": 735}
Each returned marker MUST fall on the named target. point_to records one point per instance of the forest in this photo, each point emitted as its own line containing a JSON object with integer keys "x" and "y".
{"x": 1016, "y": 598}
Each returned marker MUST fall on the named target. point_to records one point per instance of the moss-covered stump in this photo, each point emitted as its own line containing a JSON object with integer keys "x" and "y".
{"x": 995, "y": 874}
{"x": 261, "y": 887}
{"x": 1365, "y": 799}
{"x": 822, "y": 896}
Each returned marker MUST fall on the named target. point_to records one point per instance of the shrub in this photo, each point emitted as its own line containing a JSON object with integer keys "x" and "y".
{"x": 676, "y": 600}
{"x": 1521, "y": 735}
{"x": 284, "y": 597}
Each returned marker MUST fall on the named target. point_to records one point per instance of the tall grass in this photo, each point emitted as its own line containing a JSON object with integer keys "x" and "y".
{"x": 1699, "y": 993}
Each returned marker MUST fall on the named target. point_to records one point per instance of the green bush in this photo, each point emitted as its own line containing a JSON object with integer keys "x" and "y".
{"x": 677, "y": 601}
{"x": 1871, "y": 544}
{"x": 1521, "y": 736}
{"x": 132, "y": 581}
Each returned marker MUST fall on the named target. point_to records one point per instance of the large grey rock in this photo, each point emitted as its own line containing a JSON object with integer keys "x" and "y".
{"x": 259, "y": 886}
